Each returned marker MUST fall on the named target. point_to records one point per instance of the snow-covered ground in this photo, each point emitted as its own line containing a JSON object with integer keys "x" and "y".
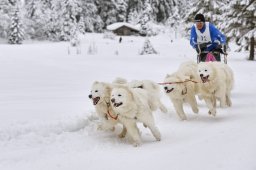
{"x": 47, "y": 120}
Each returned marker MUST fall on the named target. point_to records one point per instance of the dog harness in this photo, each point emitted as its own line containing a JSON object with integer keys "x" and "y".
{"x": 109, "y": 114}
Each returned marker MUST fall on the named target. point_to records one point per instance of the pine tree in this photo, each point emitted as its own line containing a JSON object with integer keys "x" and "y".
{"x": 72, "y": 14}
{"x": 121, "y": 7}
{"x": 35, "y": 19}
{"x": 145, "y": 18}
{"x": 53, "y": 27}
{"x": 91, "y": 20}
{"x": 210, "y": 9}
{"x": 5, "y": 8}
{"x": 107, "y": 11}
{"x": 148, "y": 48}
{"x": 240, "y": 23}
{"x": 162, "y": 9}
{"x": 133, "y": 17}
{"x": 134, "y": 6}
{"x": 16, "y": 34}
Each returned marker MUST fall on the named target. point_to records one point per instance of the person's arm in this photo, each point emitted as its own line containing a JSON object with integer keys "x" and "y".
{"x": 193, "y": 37}
{"x": 216, "y": 36}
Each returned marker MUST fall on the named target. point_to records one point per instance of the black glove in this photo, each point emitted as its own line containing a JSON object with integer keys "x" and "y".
{"x": 203, "y": 46}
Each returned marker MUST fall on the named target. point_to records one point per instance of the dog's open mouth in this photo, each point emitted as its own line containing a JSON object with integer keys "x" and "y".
{"x": 118, "y": 104}
{"x": 169, "y": 90}
{"x": 204, "y": 79}
{"x": 96, "y": 100}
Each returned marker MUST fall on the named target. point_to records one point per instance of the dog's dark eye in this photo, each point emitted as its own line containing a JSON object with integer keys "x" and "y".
{"x": 96, "y": 91}
{"x": 205, "y": 70}
{"x": 119, "y": 95}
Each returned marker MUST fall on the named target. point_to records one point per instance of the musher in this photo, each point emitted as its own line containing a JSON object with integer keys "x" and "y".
{"x": 206, "y": 38}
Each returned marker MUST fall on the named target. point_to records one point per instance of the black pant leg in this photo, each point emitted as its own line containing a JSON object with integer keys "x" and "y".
{"x": 203, "y": 57}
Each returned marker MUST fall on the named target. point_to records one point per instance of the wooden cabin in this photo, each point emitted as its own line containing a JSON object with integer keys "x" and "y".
{"x": 123, "y": 29}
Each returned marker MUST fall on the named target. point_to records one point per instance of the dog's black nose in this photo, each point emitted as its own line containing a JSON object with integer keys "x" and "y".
{"x": 90, "y": 96}
{"x": 113, "y": 100}
{"x": 165, "y": 88}
{"x": 201, "y": 75}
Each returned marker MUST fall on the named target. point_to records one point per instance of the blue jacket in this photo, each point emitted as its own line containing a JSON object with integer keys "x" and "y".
{"x": 216, "y": 37}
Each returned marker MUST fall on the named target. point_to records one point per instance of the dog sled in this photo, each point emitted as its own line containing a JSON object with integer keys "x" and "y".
{"x": 215, "y": 55}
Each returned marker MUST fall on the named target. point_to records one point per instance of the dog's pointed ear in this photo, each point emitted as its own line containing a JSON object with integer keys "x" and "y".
{"x": 129, "y": 90}
{"x": 95, "y": 82}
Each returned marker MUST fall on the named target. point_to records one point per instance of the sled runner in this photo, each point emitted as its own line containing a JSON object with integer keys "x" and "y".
{"x": 215, "y": 55}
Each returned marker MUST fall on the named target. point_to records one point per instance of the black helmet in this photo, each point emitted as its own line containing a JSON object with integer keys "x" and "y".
{"x": 199, "y": 18}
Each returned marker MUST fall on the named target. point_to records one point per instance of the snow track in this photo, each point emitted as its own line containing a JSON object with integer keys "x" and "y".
{"x": 43, "y": 130}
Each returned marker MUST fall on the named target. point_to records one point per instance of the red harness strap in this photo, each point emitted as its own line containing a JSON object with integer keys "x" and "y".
{"x": 113, "y": 117}
{"x": 177, "y": 82}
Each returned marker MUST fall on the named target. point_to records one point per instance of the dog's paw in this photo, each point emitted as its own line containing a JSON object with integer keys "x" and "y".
{"x": 229, "y": 104}
{"x": 136, "y": 144}
{"x": 121, "y": 135}
{"x": 212, "y": 112}
{"x": 183, "y": 118}
{"x": 158, "y": 138}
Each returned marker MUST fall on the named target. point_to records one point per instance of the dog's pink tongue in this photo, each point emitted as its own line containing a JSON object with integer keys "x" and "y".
{"x": 204, "y": 79}
{"x": 95, "y": 100}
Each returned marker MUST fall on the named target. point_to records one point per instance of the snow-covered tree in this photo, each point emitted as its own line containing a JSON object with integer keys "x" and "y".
{"x": 133, "y": 17}
{"x": 210, "y": 9}
{"x": 92, "y": 49}
{"x": 71, "y": 10}
{"x": 145, "y": 18}
{"x": 107, "y": 11}
{"x": 162, "y": 9}
{"x": 148, "y": 48}
{"x": 134, "y": 6}
{"x": 16, "y": 34}
{"x": 91, "y": 20}
{"x": 121, "y": 7}
{"x": 240, "y": 24}
{"x": 5, "y": 8}
{"x": 35, "y": 19}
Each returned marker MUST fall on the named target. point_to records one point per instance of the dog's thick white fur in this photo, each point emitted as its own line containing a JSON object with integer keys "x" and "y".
{"x": 180, "y": 88}
{"x": 133, "y": 105}
{"x": 188, "y": 68}
{"x": 153, "y": 90}
{"x": 100, "y": 95}
{"x": 216, "y": 82}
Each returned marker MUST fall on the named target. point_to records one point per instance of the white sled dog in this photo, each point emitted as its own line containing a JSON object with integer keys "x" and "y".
{"x": 216, "y": 82}
{"x": 133, "y": 105}
{"x": 100, "y": 96}
{"x": 181, "y": 87}
{"x": 153, "y": 90}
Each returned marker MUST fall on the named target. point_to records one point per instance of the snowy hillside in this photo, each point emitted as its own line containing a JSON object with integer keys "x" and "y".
{"x": 48, "y": 122}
